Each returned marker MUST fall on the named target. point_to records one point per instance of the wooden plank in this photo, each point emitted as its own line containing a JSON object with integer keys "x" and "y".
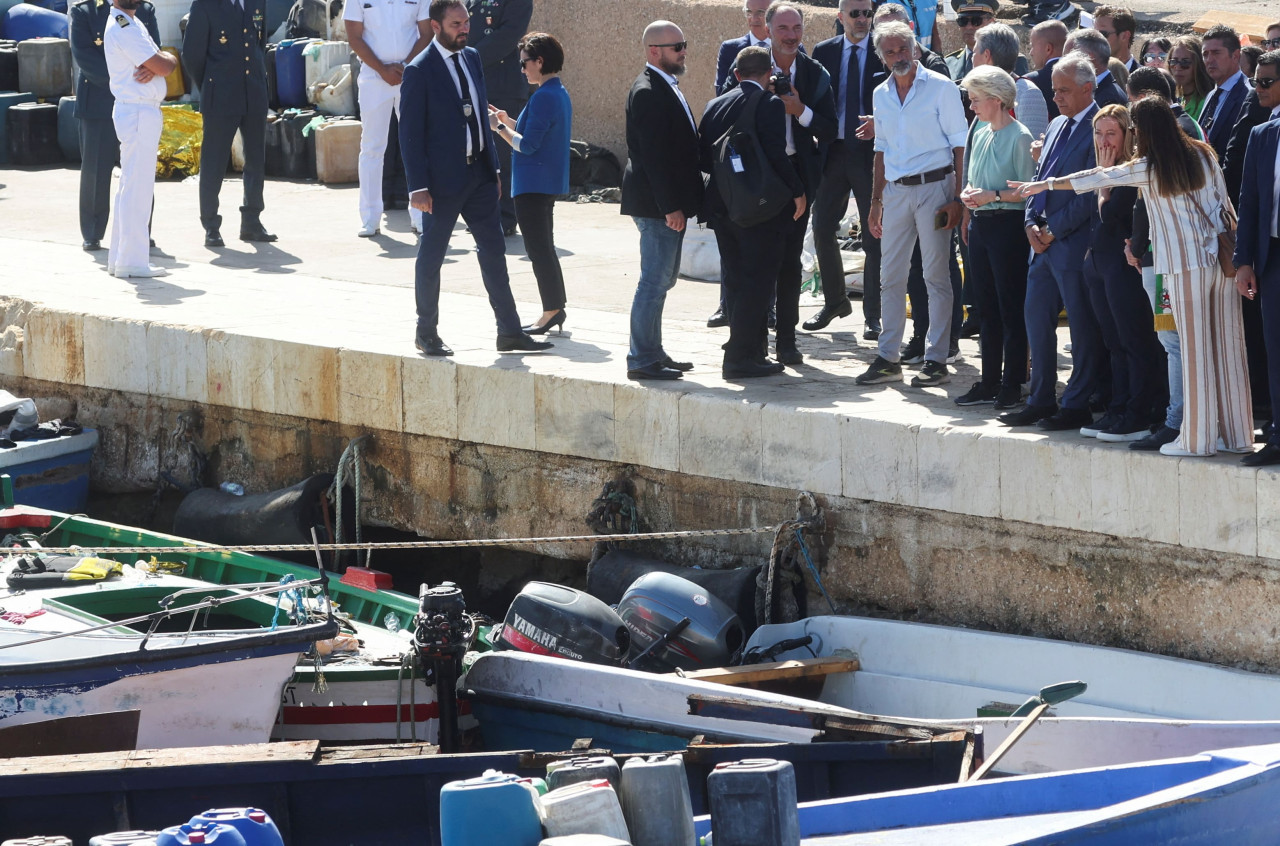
{"x": 1254, "y": 26}
{"x": 115, "y": 731}
{"x": 295, "y": 750}
{"x": 804, "y": 668}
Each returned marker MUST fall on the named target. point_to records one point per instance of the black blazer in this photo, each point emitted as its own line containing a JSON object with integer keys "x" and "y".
{"x": 496, "y": 29}
{"x": 1251, "y": 115}
{"x": 223, "y": 50}
{"x": 662, "y": 174}
{"x": 721, "y": 113}
{"x": 829, "y": 54}
{"x": 87, "y": 18}
{"x": 726, "y": 58}
{"x": 1218, "y": 133}
{"x": 1043, "y": 79}
{"x": 1108, "y": 92}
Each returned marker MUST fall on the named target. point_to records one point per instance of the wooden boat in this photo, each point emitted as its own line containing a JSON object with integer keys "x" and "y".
{"x": 1223, "y": 798}
{"x": 1138, "y": 706}
{"x": 369, "y": 696}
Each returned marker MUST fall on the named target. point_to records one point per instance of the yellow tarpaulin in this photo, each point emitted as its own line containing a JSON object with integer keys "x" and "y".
{"x": 180, "y": 142}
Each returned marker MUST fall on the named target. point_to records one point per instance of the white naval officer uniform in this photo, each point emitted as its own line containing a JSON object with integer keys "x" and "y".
{"x": 390, "y": 30}
{"x": 138, "y": 122}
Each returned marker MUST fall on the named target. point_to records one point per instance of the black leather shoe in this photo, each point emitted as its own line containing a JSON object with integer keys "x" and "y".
{"x": 717, "y": 320}
{"x": 773, "y": 319}
{"x": 682, "y": 366}
{"x": 1153, "y": 442}
{"x": 789, "y": 355}
{"x": 1066, "y": 418}
{"x": 825, "y": 315}
{"x": 872, "y": 332}
{"x": 750, "y": 369}
{"x": 557, "y": 320}
{"x": 91, "y": 246}
{"x": 508, "y": 231}
{"x": 653, "y": 371}
{"x": 1269, "y": 454}
{"x": 521, "y": 343}
{"x": 255, "y": 232}
{"x": 1028, "y": 416}
{"x": 213, "y": 238}
{"x": 431, "y": 346}
{"x": 969, "y": 328}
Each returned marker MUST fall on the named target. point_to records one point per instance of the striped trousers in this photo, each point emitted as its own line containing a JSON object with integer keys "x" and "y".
{"x": 1215, "y": 377}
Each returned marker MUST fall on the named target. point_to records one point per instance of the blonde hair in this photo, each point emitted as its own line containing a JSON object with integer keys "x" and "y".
{"x": 1119, "y": 114}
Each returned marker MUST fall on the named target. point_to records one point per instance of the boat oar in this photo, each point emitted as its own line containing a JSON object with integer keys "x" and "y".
{"x": 1032, "y": 709}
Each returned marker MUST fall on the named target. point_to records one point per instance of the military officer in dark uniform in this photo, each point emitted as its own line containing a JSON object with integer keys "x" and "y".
{"x": 223, "y": 50}
{"x": 99, "y": 147}
{"x": 496, "y": 29}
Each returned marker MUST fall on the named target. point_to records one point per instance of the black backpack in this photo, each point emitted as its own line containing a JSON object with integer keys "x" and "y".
{"x": 755, "y": 193}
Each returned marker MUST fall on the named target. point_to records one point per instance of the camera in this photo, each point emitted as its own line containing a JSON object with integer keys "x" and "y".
{"x": 781, "y": 83}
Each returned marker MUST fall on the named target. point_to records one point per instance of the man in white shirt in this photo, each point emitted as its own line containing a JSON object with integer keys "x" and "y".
{"x": 386, "y": 35}
{"x": 137, "y": 69}
{"x": 920, "y": 135}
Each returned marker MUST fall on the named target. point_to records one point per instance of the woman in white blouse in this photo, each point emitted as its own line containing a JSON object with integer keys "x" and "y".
{"x": 1185, "y": 194}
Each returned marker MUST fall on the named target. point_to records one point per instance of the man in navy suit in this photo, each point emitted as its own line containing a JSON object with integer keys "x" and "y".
{"x": 1047, "y": 40}
{"x": 1220, "y": 50}
{"x": 1258, "y": 241}
{"x": 757, "y": 36}
{"x": 1094, "y": 45}
{"x": 1059, "y": 229}
{"x": 452, "y": 170}
{"x": 855, "y": 71}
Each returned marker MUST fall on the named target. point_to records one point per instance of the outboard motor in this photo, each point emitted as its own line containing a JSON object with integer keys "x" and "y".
{"x": 442, "y": 630}
{"x": 548, "y": 619}
{"x": 676, "y": 624}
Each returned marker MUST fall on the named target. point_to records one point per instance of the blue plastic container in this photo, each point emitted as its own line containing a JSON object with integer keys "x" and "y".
{"x": 210, "y": 834}
{"x": 9, "y": 99}
{"x": 51, "y": 474}
{"x": 291, "y": 73}
{"x": 753, "y": 803}
{"x": 125, "y": 838}
{"x": 25, "y": 21}
{"x": 254, "y": 825}
{"x": 495, "y": 808}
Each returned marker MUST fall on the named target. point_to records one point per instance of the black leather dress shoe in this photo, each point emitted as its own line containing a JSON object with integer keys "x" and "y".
{"x": 1066, "y": 418}
{"x": 91, "y": 246}
{"x": 773, "y": 319}
{"x": 717, "y": 320}
{"x": 508, "y": 231}
{"x": 1269, "y": 454}
{"x": 521, "y": 343}
{"x": 789, "y": 355}
{"x": 213, "y": 238}
{"x": 255, "y": 232}
{"x": 1028, "y": 416}
{"x": 431, "y": 345}
{"x": 872, "y": 332}
{"x": 826, "y": 314}
{"x": 750, "y": 369}
{"x": 682, "y": 366}
{"x": 653, "y": 371}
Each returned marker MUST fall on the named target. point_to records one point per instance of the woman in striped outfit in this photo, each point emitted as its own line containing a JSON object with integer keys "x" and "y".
{"x": 1185, "y": 194}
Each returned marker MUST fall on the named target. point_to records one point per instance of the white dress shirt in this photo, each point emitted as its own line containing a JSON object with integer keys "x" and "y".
{"x": 448, "y": 55}
{"x": 806, "y": 117}
{"x": 919, "y": 133}
{"x": 126, "y": 44}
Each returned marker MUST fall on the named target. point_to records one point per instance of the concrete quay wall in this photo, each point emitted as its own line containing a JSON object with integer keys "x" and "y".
{"x": 975, "y": 526}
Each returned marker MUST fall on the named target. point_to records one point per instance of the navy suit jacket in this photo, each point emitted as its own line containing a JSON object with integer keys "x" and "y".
{"x": 1043, "y": 79}
{"x": 1109, "y": 93}
{"x": 496, "y": 29}
{"x": 433, "y": 129}
{"x": 1218, "y": 133}
{"x": 829, "y": 54}
{"x": 1251, "y": 114}
{"x": 1257, "y": 198}
{"x": 729, "y": 51}
{"x": 1070, "y": 215}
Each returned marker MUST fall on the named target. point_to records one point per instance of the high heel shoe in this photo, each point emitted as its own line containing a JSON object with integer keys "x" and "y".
{"x": 535, "y": 329}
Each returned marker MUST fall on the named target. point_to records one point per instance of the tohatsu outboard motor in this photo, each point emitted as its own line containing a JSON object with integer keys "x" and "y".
{"x": 442, "y": 631}
{"x": 676, "y": 624}
{"x": 548, "y": 619}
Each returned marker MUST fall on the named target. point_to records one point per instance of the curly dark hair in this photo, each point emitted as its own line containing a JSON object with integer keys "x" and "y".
{"x": 540, "y": 45}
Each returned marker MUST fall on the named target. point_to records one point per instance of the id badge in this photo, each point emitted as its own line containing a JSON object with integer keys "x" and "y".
{"x": 736, "y": 161}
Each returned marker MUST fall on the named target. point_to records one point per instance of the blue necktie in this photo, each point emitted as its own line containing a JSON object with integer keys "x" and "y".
{"x": 1039, "y": 201}
{"x": 852, "y": 95}
{"x": 1206, "y": 116}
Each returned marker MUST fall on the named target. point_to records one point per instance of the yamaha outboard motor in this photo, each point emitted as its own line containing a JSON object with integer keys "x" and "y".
{"x": 442, "y": 630}
{"x": 548, "y": 619}
{"x": 676, "y": 624}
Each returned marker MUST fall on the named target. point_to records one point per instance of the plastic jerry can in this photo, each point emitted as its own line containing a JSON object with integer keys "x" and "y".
{"x": 338, "y": 152}
{"x": 291, "y": 73}
{"x": 68, "y": 129}
{"x": 125, "y": 838}
{"x": 495, "y": 808}
{"x": 33, "y": 134}
{"x": 584, "y": 768}
{"x": 194, "y": 834}
{"x": 44, "y": 67}
{"x": 584, "y": 840}
{"x": 273, "y": 92}
{"x": 336, "y": 94}
{"x": 753, "y": 803}
{"x": 319, "y": 58}
{"x": 8, "y": 66}
{"x": 254, "y": 825}
{"x": 655, "y": 801}
{"x": 588, "y": 807}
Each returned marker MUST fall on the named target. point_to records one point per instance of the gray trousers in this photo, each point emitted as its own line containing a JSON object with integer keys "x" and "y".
{"x": 908, "y": 217}
{"x": 99, "y": 150}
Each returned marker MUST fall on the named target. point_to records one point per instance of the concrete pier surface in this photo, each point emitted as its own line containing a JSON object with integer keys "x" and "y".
{"x": 289, "y": 350}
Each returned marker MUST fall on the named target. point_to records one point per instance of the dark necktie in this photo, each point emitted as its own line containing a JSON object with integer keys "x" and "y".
{"x": 1039, "y": 201}
{"x": 852, "y": 94}
{"x": 472, "y": 126}
{"x": 1206, "y": 117}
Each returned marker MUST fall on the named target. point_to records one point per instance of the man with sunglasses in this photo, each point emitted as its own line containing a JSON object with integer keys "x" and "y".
{"x": 973, "y": 15}
{"x": 1118, "y": 25}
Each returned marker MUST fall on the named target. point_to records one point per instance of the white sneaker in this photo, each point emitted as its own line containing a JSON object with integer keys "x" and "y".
{"x": 367, "y": 231}
{"x": 1173, "y": 449}
{"x": 148, "y": 272}
{"x": 1222, "y": 447}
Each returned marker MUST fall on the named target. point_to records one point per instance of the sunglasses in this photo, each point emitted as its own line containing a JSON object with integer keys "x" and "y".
{"x": 679, "y": 46}
{"x": 1263, "y": 82}
{"x": 860, "y": 13}
{"x": 972, "y": 20}
{"x": 1181, "y": 63}
{"x": 1154, "y": 57}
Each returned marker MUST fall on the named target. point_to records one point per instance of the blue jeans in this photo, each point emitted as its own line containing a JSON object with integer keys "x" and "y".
{"x": 660, "y": 248}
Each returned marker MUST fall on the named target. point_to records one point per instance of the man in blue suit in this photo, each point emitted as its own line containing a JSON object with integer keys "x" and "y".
{"x": 1090, "y": 42}
{"x": 1058, "y": 228}
{"x": 1221, "y": 52}
{"x": 1258, "y": 242}
{"x": 757, "y": 36}
{"x": 452, "y": 170}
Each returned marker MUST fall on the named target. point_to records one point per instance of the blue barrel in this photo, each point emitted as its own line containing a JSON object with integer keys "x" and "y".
{"x": 8, "y": 100}
{"x": 291, "y": 73}
{"x": 68, "y": 129}
{"x": 125, "y": 838}
{"x": 210, "y": 834}
{"x": 753, "y": 803}
{"x": 33, "y": 134}
{"x": 25, "y": 21}
{"x": 580, "y": 769}
{"x": 492, "y": 809}
{"x": 254, "y": 825}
